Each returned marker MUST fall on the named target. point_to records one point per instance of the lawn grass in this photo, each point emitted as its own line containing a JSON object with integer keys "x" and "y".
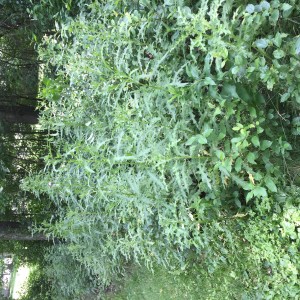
{"x": 142, "y": 284}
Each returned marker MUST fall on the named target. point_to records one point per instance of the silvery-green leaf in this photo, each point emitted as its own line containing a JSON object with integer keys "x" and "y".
{"x": 265, "y": 5}
{"x": 274, "y": 17}
{"x": 250, "y": 8}
{"x": 262, "y": 43}
{"x": 284, "y": 97}
{"x": 287, "y": 10}
{"x": 278, "y": 54}
{"x": 209, "y": 81}
{"x": 297, "y": 46}
{"x": 277, "y": 39}
{"x": 286, "y": 6}
{"x": 258, "y": 8}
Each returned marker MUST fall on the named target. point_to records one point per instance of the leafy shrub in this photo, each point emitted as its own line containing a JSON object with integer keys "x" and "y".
{"x": 69, "y": 279}
{"x": 273, "y": 234}
{"x": 59, "y": 277}
{"x": 173, "y": 125}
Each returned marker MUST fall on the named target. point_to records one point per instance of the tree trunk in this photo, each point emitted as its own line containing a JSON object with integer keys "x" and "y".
{"x": 18, "y": 114}
{"x": 15, "y": 231}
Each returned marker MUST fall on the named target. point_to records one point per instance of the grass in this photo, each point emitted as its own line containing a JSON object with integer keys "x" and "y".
{"x": 142, "y": 284}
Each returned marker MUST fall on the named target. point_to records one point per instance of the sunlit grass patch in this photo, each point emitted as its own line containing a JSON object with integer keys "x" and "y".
{"x": 19, "y": 280}
{"x": 191, "y": 284}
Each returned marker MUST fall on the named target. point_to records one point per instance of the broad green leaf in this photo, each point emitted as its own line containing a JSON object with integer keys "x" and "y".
{"x": 258, "y": 176}
{"x": 229, "y": 108}
{"x": 228, "y": 164}
{"x": 255, "y": 141}
{"x": 287, "y": 146}
{"x": 270, "y": 184}
{"x": 270, "y": 84}
{"x": 238, "y": 164}
{"x": 229, "y": 90}
{"x": 296, "y": 131}
{"x": 265, "y": 144}
{"x": 191, "y": 140}
{"x": 251, "y": 158}
{"x": 237, "y": 139}
{"x": 252, "y": 112}
{"x": 259, "y": 130}
{"x": 207, "y": 131}
{"x": 249, "y": 196}
{"x": 274, "y": 17}
{"x": 209, "y": 81}
{"x": 296, "y": 121}
{"x": 199, "y": 138}
{"x": 286, "y": 6}
{"x": 202, "y": 139}
{"x": 260, "y": 191}
{"x": 287, "y": 10}
{"x": 237, "y": 202}
{"x": 220, "y": 154}
{"x": 244, "y": 144}
{"x": 235, "y": 70}
{"x": 238, "y": 127}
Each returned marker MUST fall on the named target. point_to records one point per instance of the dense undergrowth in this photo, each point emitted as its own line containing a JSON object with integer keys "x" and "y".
{"x": 174, "y": 129}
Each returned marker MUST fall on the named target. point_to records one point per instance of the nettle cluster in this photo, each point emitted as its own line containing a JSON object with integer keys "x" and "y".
{"x": 172, "y": 120}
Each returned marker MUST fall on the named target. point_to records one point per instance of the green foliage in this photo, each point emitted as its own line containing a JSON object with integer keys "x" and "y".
{"x": 27, "y": 252}
{"x": 57, "y": 276}
{"x": 273, "y": 234}
{"x": 173, "y": 126}
{"x": 49, "y": 14}
{"x": 67, "y": 278}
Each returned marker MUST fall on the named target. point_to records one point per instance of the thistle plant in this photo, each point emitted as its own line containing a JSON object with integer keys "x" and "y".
{"x": 173, "y": 125}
